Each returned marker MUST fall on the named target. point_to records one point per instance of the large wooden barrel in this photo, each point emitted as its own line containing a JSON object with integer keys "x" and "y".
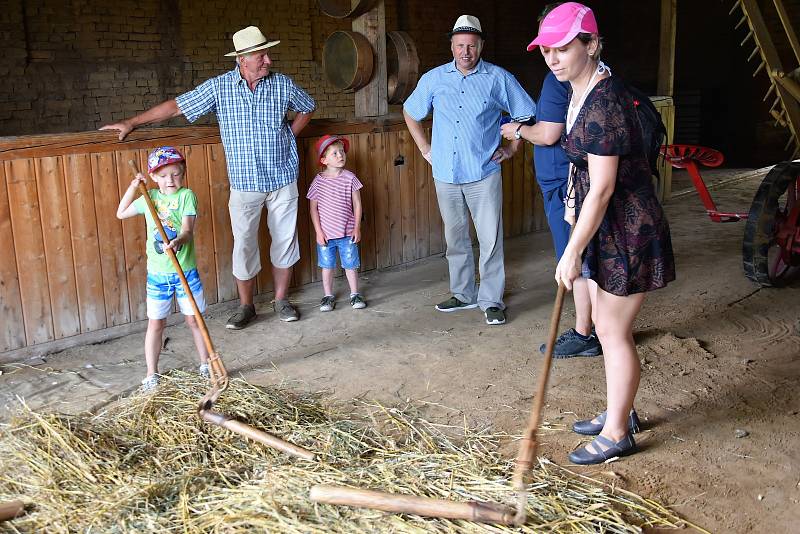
{"x": 344, "y": 9}
{"x": 402, "y": 66}
{"x": 348, "y": 60}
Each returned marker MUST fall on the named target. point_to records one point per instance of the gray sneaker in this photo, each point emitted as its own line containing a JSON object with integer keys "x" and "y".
{"x": 495, "y": 315}
{"x": 286, "y": 312}
{"x": 571, "y": 344}
{"x": 242, "y": 317}
{"x": 328, "y": 303}
{"x": 357, "y": 301}
{"x": 453, "y": 304}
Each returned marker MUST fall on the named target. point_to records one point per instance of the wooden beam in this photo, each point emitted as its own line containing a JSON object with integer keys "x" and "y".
{"x": 787, "y": 25}
{"x": 372, "y": 99}
{"x": 666, "y": 56}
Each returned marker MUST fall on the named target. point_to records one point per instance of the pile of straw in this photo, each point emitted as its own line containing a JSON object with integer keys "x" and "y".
{"x": 148, "y": 464}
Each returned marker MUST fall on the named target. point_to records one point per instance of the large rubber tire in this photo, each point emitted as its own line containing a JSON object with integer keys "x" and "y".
{"x": 759, "y": 232}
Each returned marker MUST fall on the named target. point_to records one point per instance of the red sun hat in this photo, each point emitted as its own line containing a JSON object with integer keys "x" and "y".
{"x": 327, "y": 140}
{"x": 163, "y": 156}
{"x": 563, "y": 24}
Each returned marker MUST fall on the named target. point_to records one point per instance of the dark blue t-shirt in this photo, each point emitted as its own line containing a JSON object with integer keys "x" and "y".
{"x": 551, "y": 164}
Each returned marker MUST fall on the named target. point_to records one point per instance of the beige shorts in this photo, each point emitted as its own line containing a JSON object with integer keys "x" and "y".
{"x": 245, "y": 209}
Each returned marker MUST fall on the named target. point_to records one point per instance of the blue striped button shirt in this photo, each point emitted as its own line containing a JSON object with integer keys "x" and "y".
{"x": 260, "y": 148}
{"x": 466, "y": 117}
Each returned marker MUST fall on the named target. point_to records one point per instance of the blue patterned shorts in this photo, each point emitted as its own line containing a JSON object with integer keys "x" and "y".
{"x": 348, "y": 254}
{"x": 161, "y": 287}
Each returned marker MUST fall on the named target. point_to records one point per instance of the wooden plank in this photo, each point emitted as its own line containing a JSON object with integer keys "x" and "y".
{"x": 395, "y": 210}
{"x": 12, "y": 327}
{"x": 58, "y": 247}
{"x": 306, "y": 269}
{"x": 359, "y": 163}
{"x": 85, "y": 242}
{"x": 112, "y": 254}
{"x": 436, "y": 232}
{"x": 518, "y": 191}
{"x": 29, "y": 247}
{"x": 378, "y": 154}
{"x": 408, "y": 201}
{"x": 197, "y": 180}
{"x": 134, "y": 235}
{"x": 529, "y": 177}
{"x": 422, "y": 183}
{"x": 666, "y": 55}
{"x": 372, "y": 99}
{"x": 221, "y": 221}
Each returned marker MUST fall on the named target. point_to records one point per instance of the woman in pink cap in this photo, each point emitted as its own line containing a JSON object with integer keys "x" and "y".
{"x": 621, "y": 239}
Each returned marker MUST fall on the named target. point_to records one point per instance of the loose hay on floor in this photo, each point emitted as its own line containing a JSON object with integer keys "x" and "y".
{"x": 149, "y": 464}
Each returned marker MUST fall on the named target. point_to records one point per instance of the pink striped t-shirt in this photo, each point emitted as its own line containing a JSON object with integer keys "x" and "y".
{"x": 334, "y": 195}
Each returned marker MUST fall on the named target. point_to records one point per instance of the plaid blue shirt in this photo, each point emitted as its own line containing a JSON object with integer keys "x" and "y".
{"x": 260, "y": 148}
{"x": 466, "y": 117}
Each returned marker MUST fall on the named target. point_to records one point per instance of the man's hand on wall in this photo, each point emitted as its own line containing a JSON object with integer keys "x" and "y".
{"x": 124, "y": 128}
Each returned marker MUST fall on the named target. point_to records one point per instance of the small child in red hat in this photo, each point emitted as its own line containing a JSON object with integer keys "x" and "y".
{"x": 336, "y": 214}
{"x": 177, "y": 209}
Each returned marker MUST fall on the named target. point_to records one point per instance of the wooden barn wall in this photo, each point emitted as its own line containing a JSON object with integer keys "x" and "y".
{"x": 70, "y": 267}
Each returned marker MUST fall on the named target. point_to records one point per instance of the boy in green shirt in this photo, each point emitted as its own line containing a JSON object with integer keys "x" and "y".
{"x": 177, "y": 209}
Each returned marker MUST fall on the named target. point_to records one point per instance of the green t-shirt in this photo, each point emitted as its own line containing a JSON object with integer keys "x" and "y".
{"x": 171, "y": 210}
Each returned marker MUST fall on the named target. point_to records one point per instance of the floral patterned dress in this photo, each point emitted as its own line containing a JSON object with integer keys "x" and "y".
{"x": 632, "y": 250}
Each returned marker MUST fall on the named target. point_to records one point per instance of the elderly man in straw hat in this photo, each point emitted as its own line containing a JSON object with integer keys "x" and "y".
{"x": 467, "y": 96}
{"x": 250, "y": 103}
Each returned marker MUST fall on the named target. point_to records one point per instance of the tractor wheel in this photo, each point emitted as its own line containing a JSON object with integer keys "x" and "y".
{"x": 771, "y": 247}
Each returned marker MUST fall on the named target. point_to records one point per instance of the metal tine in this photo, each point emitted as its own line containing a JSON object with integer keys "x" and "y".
{"x": 746, "y": 38}
{"x": 769, "y": 91}
{"x": 741, "y": 21}
{"x": 735, "y": 6}
{"x": 774, "y": 103}
{"x": 760, "y": 66}
{"x": 752, "y": 54}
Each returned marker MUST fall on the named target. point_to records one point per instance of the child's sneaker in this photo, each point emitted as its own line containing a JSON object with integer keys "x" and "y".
{"x": 204, "y": 370}
{"x": 357, "y": 301}
{"x": 328, "y": 303}
{"x": 149, "y": 383}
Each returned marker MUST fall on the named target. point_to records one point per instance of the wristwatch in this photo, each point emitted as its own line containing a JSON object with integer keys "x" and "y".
{"x": 517, "y": 133}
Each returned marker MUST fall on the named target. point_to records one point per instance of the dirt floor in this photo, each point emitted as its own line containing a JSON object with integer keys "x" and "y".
{"x": 720, "y": 360}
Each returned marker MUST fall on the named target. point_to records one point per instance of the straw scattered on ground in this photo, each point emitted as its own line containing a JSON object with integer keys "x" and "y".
{"x": 149, "y": 464}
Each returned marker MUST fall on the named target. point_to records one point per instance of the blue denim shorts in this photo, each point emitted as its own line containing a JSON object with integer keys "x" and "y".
{"x": 348, "y": 254}
{"x": 161, "y": 287}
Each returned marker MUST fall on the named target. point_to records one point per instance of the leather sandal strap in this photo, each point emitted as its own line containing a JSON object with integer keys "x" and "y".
{"x": 602, "y": 440}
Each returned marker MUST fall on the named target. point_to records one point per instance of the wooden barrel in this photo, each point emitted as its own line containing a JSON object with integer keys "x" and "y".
{"x": 402, "y": 66}
{"x": 347, "y": 60}
{"x": 344, "y": 9}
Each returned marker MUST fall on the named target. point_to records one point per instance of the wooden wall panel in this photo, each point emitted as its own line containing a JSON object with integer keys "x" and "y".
{"x": 23, "y": 202}
{"x": 359, "y": 163}
{"x": 85, "y": 242}
{"x": 134, "y": 234}
{"x": 377, "y": 154}
{"x": 83, "y": 272}
{"x": 197, "y": 180}
{"x": 58, "y": 247}
{"x": 221, "y": 220}
{"x": 112, "y": 254}
{"x": 12, "y": 325}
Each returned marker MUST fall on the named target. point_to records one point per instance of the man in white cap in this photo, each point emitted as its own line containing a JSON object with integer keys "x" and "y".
{"x": 251, "y": 103}
{"x": 467, "y": 96}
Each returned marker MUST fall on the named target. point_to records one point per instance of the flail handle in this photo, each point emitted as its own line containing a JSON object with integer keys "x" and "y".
{"x": 480, "y": 512}
{"x": 10, "y": 510}
{"x": 260, "y": 436}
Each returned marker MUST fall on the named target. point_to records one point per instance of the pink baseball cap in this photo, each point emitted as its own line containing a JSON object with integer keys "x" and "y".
{"x": 563, "y": 24}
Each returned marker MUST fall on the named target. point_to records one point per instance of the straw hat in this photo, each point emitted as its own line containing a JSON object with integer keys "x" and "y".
{"x": 249, "y": 40}
{"x": 467, "y": 24}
